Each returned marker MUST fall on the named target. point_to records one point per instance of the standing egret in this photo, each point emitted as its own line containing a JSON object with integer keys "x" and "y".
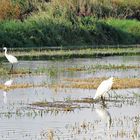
{"x": 103, "y": 88}
{"x": 12, "y": 59}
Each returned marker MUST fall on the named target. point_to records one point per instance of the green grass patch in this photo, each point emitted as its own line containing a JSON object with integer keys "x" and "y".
{"x": 41, "y": 30}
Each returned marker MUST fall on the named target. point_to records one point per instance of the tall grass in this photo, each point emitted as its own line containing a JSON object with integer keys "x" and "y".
{"x": 70, "y": 22}
{"x": 9, "y": 10}
{"x": 42, "y": 30}
{"x": 96, "y": 8}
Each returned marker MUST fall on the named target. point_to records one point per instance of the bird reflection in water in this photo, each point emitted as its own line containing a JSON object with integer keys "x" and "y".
{"x": 104, "y": 115}
{"x": 4, "y": 97}
{"x": 7, "y": 84}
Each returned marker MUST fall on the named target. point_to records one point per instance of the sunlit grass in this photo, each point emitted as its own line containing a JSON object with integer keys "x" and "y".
{"x": 93, "y": 83}
{"x": 89, "y": 83}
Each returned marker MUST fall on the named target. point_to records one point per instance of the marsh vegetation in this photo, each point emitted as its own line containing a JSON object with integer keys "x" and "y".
{"x": 66, "y": 48}
{"x": 54, "y": 98}
{"x": 25, "y": 23}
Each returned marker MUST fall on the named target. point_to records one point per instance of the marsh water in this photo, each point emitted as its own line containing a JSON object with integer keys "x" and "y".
{"x": 118, "y": 118}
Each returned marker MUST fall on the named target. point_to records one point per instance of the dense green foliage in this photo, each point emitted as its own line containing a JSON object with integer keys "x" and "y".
{"x": 60, "y": 23}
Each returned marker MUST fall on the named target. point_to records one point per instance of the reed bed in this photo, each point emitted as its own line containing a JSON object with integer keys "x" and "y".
{"x": 90, "y": 83}
{"x": 93, "y": 83}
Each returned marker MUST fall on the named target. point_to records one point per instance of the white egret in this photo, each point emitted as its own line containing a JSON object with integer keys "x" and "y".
{"x": 103, "y": 88}
{"x": 12, "y": 59}
{"x": 8, "y": 83}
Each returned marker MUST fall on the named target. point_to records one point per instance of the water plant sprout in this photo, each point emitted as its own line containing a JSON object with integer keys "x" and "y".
{"x": 103, "y": 88}
{"x": 12, "y": 59}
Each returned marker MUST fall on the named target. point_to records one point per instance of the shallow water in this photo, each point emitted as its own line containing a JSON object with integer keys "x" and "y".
{"x": 119, "y": 118}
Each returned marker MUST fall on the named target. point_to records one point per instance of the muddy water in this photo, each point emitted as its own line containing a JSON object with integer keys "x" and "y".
{"x": 118, "y": 118}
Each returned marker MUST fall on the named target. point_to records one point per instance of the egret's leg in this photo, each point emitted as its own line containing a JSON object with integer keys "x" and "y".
{"x": 11, "y": 68}
{"x": 103, "y": 101}
{"x": 102, "y": 98}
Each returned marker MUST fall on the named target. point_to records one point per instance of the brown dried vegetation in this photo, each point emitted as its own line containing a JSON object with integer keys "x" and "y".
{"x": 90, "y": 83}
{"x": 93, "y": 83}
{"x": 9, "y": 10}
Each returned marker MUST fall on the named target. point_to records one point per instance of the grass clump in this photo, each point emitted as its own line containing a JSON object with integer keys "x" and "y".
{"x": 56, "y": 106}
{"x": 9, "y": 10}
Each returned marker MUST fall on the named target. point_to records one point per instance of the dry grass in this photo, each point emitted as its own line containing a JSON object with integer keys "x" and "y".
{"x": 90, "y": 83}
{"x": 97, "y": 8}
{"x": 15, "y": 86}
{"x": 93, "y": 83}
{"x": 8, "y": 10}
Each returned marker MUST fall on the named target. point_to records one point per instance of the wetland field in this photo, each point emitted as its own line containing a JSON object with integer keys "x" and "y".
{"x": 51, "y": 96}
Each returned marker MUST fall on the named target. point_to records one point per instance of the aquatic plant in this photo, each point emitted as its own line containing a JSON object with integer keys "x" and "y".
{"x": 56, "y": 105}
{"x": 98, "y": 66}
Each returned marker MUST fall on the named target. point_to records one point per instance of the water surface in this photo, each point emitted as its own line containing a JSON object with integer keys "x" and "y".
{"x": 118, "y": 118}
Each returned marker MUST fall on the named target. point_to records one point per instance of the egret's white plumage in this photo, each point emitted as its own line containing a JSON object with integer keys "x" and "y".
{"x": 103, "y": 88}
{"x": 8, "y": 83}
{"x": 12, "y": 59}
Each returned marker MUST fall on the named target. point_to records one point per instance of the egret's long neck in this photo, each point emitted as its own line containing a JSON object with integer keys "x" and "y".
{"x": 5, "y": 51}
